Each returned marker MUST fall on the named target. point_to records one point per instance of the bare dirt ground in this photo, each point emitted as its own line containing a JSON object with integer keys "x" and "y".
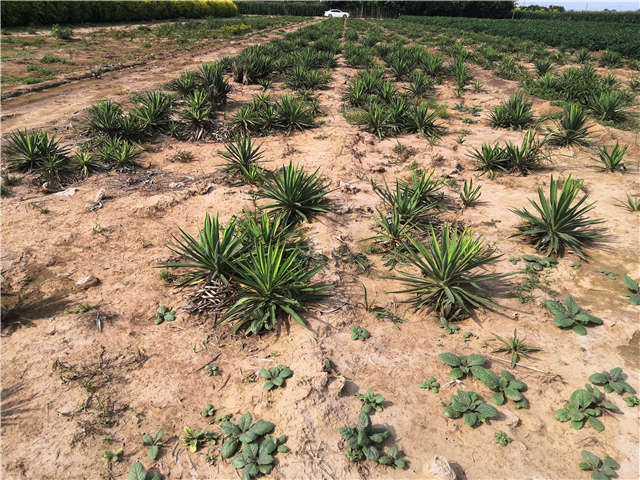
{"x": 151, "y": 376}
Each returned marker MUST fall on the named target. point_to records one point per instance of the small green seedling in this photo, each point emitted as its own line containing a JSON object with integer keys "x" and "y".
{"x": 612, "y": 381}
{"x": 570, "y": 315}
{"x": 515, "y": 346}
{"x": 112, "y": 455}
{"x": 224, "y": 418}
{"x": 584, "y": 406}
{"x": 632, "y": 401}
{"x": 462, "y": 366}
{"x": 359, "y": 333}
{"x": 502, "y": 438}
{"x": 632, "y": 204}
{"x": 505, "y": 386}
{"x": 371, "y": 402}
{"x": 256, "y": 458}
{"x": 431, "y": 384}
{"x": 634, "y": 289}
{"x": 364, "y": 441}
{"x": 212, "y": 370}
{"x": 153, "y": 442}
{"x": 244, "y": 432}
{"x": 383, "y": 313}
{"x": 609, "y": 273}
{"x": 449, "y": 327}
{"x": 466, "y": 336}
{"x": 138, "y": 472}
{"x": 164, "y": 313}
{"x": 368, "y": 306}
{"x": 540, "y": 263}
{"x": 394, "y": 459}
{"x": 275, "y": 376}
{"x": 208, "y": 411}
{"x": 257, "y": 448}
{"x": 469, "y": 406}
{"x": 602, "y": 469}
{"x": 469, "y": 193}
{"x": 195, "y": 439}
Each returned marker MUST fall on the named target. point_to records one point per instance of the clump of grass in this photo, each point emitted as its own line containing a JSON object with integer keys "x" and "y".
{"x": 213, "y": 81}
{"x": 185, "y": 84}
{"x": 106, "y": 117}
{"x": 611, "y": 59}
{"x": 407, "y": 202}
{"x": 609, "y": 105}
{"x": 426, "y": 187}
{"x": 391, "y": 232}
{"x": 632, "y": 204}
{"x": 527, "y": 156}
{"x": 560, "y": 220}
{"x": 514, "y": 113}
{"x": 86, "y": 163}
{"x": 432, "y": 64}
{"x": 293, "y": 114}
{"x": 489, "y": 159}
{"x": 448, "y": 279}
{"x": 210, "y": 255}
{"x": 62, "y": 33}
{"x": 461, "y": 72}
{"x": 469, "y": 193}
{"x": 583, "y": 55}
{"x": 543, "y": 66}
{"x": 32, "y": 150}
{"x": 523, "y": 158}
{"x": 515, "y": 346}
{"x": 571, "y": 129}
{"x": 198, "y": 110}
{"x": 611, "y": 160}
{"x": 295, "y": 194}
{"x": 422, "y": 120}
{"x": 182, "y": 156}
{"x": 153, "y": 111}
{"x": 119, "y": 153}
{"x": 273, "y": 284}
{"x": 377, "y": 120}
{"x": 242, "y": 158}
{"x": 421, "y": 85}
{"x": 301, "y": 78}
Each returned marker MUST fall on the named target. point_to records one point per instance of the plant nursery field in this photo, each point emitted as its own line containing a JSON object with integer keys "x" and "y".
{"x": 320, "y": 248}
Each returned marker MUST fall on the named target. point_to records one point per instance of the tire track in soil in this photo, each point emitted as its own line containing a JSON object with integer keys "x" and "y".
{"x": 59, "y": 104}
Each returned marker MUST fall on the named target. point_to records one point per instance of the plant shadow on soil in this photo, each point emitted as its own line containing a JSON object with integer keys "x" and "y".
{"x": 26, "y": 313}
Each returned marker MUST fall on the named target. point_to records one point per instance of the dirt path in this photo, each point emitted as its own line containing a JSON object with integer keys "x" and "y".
{"x": 58, "y": 104}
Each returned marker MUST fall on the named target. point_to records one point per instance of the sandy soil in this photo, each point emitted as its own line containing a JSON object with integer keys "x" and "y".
{"x": 52, "y": 429}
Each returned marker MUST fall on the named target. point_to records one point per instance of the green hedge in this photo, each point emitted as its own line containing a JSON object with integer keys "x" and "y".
{"x": 20, "y": 13}
{"x": 613, "y": 17}
{"x": 299, "y": 9}
{"x": 486, "y": 8}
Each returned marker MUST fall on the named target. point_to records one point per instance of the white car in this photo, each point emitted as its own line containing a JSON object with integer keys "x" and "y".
{"x": 336, "y": 13}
